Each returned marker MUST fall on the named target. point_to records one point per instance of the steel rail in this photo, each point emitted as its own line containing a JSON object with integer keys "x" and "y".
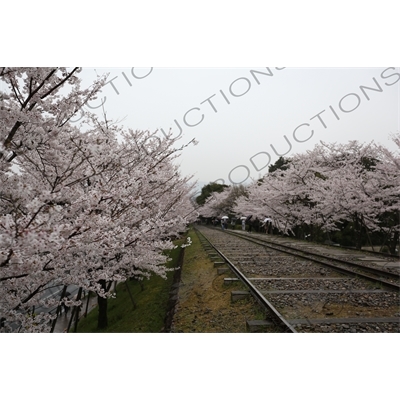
{"x": 290, "y": 250}
{"x": 276, "y": 316}
{"x": 388, "y": 274}
{"x": 372, "y": 252}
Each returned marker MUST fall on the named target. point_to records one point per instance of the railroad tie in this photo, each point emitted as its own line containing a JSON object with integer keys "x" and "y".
{"x": 219, "y": 263}
{"x": 258, "y": 325}
{"x": 239, "y": 295}
{"x": 228, "y": 281}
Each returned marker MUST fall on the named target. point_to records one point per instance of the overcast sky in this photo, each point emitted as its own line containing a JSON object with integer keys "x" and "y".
{"x": 244, "y": 118}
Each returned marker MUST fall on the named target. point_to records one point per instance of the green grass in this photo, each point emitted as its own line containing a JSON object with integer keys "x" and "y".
{"x": 151, "y": 305}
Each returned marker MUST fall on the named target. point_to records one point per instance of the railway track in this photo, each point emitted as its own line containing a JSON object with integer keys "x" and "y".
{"x": 312, "y": 288}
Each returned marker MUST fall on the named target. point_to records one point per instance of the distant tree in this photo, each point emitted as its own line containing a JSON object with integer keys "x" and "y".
{"x": 280, "y": 164}
{"x": 207, "y": 190}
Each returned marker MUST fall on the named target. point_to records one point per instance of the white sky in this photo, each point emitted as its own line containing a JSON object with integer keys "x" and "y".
{"x": 236, "y": 140}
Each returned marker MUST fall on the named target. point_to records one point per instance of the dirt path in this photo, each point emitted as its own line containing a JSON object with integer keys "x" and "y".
{"x": 204, "y": 301}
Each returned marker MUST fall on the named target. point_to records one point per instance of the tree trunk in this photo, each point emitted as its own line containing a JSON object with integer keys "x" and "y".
{"x": 58, "y": 312}
{"x": 130, "y": 295}
{"x": 75, "y": 311}
{"x": 102, "y": 321}
{"x": 78, "y": 308}
{"x": 357, "y": 232}
{"x": 87, "y": 305}
{"x": 393, "y": 243}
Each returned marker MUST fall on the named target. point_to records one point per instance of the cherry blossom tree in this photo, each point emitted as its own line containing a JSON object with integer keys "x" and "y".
{"x": 388, "y": 177}
{"x": 33, "y": 113}
{"x": 280, "y": 195}
{"x": 85, "y": 207}
{"x": 353, "y": 189}
{"x": 329, "y": 186}
{"x": 220, "y": 204}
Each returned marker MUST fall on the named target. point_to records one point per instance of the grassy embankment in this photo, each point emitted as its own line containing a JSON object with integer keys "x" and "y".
{"x": 151, "y": 305}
